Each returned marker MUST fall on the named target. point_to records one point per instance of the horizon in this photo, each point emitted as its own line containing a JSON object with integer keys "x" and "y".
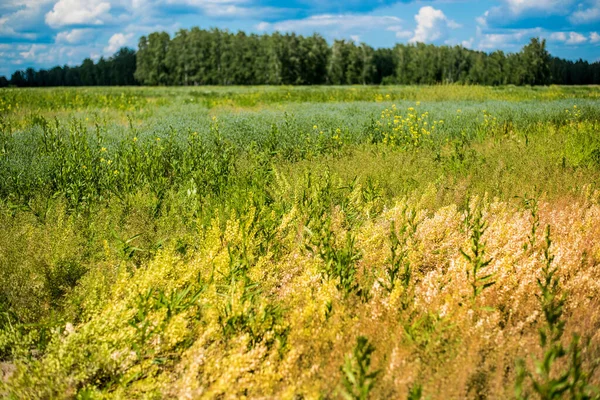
{"x": 47, "y": 33}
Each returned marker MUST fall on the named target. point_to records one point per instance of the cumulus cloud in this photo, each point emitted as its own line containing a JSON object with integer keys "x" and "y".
{"x": 587, "y": 14}
{"x": 568, "y": 37}
{"x": 34, "y": 52}
{"x": 7, "y": 29}
{"x": 24, "y": 14}
{"x": 342, "y": 22}
{"x": 78, "y": 12}
{"x": 529, "y": 13}
{"x": 493, "y": 41}
{"x": 117, "y": 41}
{"x": 73, "y": 36}
{"x": 432, "y": 24}
{"x": 468, "y": 43}
{"x": 400, "y": 33}
{"x": 594, "y": 37}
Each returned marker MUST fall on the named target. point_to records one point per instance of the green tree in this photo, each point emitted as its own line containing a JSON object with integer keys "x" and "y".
{"x": 536, "y": 62}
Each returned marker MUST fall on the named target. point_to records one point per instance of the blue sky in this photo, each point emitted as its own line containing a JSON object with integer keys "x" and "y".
{"x": 44, "y": 33}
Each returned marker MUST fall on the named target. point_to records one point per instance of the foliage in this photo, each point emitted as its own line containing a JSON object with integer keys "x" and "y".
{"x": 219, "y": 57}
{"x": 358, "y": 379}
{"x": 547, "y": 382}
{"x": 476, "y": 257}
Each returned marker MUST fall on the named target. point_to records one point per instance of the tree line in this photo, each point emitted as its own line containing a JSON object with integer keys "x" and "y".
{"x": 117, "y": 70}
{"x": 219, "y": 57}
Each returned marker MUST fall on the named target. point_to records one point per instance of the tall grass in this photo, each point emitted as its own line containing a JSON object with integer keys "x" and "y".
{"x": 161, "y": 242}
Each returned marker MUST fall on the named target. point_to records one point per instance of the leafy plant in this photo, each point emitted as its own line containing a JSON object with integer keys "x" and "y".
{"x": 340, "y": 261}
{"x": 547, "y": 381}
{"x": 398, "y": 269}
{"x": 476, "y": 257}
{"x": 358, "y": 379}
{"x": 531, "y": 204}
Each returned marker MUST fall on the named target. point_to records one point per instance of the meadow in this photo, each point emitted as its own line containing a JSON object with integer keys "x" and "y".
{"x": 435, "y": 242}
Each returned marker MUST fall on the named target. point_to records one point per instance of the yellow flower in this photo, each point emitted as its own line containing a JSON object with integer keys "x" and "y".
{"x": 103, "y": 149}
{"x": 135, "y": 139}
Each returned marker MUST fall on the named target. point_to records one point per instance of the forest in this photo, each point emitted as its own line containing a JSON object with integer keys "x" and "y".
{"x": 220, "y": 57}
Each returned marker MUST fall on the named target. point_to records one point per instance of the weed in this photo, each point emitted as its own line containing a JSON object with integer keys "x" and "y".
{"x": 358, "y": 379}
{"x": 476, "y": 258}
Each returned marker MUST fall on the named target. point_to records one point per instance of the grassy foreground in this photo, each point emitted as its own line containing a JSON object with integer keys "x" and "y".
{"x": 363, "y": 242}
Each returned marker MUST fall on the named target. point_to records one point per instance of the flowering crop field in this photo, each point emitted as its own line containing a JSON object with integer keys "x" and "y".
{"x": 434, "y": 242}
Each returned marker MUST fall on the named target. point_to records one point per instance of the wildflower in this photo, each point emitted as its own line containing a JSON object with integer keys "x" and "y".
{"x": 103, "y": 149}
{"x": 116, "y": 172}
{"x": 135, "y": 139}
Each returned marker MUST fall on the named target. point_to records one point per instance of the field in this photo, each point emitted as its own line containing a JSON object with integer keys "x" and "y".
{"x": 437, "y": 242}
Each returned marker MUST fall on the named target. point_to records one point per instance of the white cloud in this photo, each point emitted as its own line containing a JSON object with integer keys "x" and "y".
{"x": 586, "y": 15}
{"x": 576, "y": 38}
{"x": 517, "y": 10}
{"x": 568, "y": 37}
{"x": 518, "y": 7}
{"x": 468, "y": 43}
{"x": 217, "y": 8}
{"x": 400, "y": 33}
{"x": 78, "y": 12}
{"x": 594, "y": 37}
{"x": 4, "y": 28}
{"x": 25, "y": 14}
{"x": 355, "y": 39}
{"x": 33, "y": 52}
{"x": 482, "y": 20}
{"x": 117, "y": 41}
{"x": 73, "y": 36}
{"x": 432, "y": 24}
{"x": 493, "y": 41}
{"x": 404, "y": 34}
{"x": 7, "y": 30}
{"x": 343, "y": 22}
